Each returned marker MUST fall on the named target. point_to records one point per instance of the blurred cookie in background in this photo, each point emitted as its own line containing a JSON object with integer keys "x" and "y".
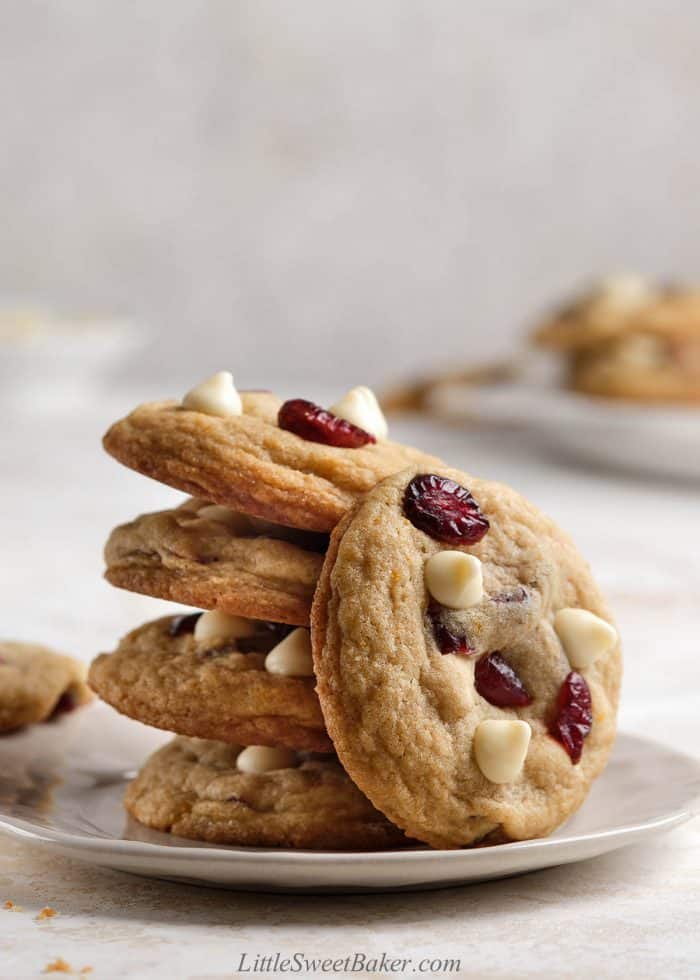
{"x": 37, "y": 684}
{"x": 629, "y": 338}
{"x": 418, "y": 394}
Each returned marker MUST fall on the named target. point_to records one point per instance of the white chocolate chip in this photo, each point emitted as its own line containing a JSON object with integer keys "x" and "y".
{"x": 583, "y": 635}
{"x": 215, "y": 396}
{"x": 265, "y": 758}
{"x": 360, "y": 406}
{"x": 625, "y": 292}
{"x": 454, "y": 579}
{"x": 223, "y": 515}
{"x": 500, "y": 748}
{"x": 215, "y": 626}
{"x": 292, "y": 657}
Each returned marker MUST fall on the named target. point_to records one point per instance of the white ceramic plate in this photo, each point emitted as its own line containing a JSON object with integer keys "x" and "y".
{"x": 61, "y": 786}
{"x": 642, "y": 438}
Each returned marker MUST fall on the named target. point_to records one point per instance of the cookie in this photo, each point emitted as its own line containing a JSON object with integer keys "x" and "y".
{"x": 257, "y": 797}
{"x": 36, "y": 683}
{"x": 616, "y": 306}
{"x": 245, "y": 452}
{"x": 210, "y": 557}
{"x": 217, "y": 677}
{"x": 639, "y": 365}
{"x": 630, "y": 339}
{"x": 466, "y": 664}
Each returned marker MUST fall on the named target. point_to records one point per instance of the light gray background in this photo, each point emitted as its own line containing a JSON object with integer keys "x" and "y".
{"x": 345, "y": 191}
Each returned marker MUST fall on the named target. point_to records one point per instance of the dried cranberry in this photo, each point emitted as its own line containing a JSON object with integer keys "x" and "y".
{"x": 444, "y": 509}
{"x": 315, "y": 424}
{"x": 448, "y": 639}
{"x": 179, "y": 625}
{"x": 574, "y": 715}
{"x": 67, "y": 702}
{"x": 497, "y": 682}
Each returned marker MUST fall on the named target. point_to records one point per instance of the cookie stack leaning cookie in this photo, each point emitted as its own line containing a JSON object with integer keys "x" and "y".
{"x": 252, "y": 762}
{"x": 460, "y": 681}
{"x": 467, "y": 667}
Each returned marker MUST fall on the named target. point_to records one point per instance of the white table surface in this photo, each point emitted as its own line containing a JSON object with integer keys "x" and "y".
{"x": 632, "y": 914}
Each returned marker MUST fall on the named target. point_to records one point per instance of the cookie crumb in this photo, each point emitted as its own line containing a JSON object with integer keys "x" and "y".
{"x": 46, "y": 913}
{"x": 58, "y": 966}
{"x": 11, "y": 907}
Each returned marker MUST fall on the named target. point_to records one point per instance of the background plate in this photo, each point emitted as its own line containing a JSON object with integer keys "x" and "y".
{"x": 623, "y": 435}
{"x": 61, "y": 786}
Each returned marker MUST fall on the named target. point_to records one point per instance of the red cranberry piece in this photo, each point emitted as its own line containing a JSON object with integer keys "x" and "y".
{"x": 444, "y": 509}
{"x": 180, "y": 625}
{"x": 315, "y": 424}
{"x": 448, "y": 639}
{"x": 574, "y": 717}
{"x": 66, "y": 703}
{"x": 497, "y": 682}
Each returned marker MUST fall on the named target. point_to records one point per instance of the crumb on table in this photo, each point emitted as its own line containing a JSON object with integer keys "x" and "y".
{"x": 46, "y": 913}
{"x": 58, "y": 966}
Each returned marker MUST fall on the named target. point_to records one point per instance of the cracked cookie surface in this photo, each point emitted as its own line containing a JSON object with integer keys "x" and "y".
{"x": 403, "y": 716}
{"x": 260, "y": 573}
{"x": 192, "y": 788}
{"x": 36, "y": 683}
{"x": 249, "y": 464}
{"x": 219, "y": 692}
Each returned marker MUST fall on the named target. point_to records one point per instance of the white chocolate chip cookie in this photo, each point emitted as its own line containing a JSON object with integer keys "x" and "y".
{"x": 466, "y": 700}
{"x": 257, "y": 797}
{"x": 207, "y": 675}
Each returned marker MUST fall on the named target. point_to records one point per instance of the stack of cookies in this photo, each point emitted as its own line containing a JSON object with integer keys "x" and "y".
{"x": 628, "y": 338}
{"x": 441, "y": 668}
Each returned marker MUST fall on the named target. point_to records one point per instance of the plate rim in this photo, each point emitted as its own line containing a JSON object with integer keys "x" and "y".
{"x": 20, "y": 828}
{"x": 25, "y": 830}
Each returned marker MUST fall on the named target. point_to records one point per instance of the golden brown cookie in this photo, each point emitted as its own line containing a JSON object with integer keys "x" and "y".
{"x": 201, "y": 675}
{"x": 197, "y": 789}
{"x": 640, "y": 365}
{"x": 36, "y": 683}
{"x": 616, "y": 306}
{"x": 459, "y": 641}
{"x": 630, "y": 339}
{"x": 250, "y": 464}
{"x": 210, "y": 557}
